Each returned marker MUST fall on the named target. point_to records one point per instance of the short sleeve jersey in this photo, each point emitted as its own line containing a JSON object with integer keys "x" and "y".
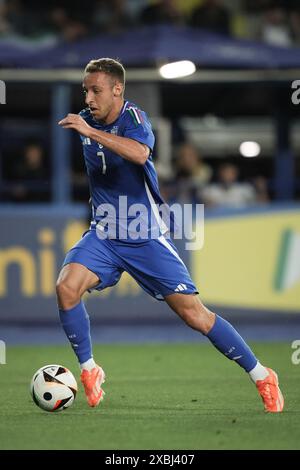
{"x": 116, "y": 184}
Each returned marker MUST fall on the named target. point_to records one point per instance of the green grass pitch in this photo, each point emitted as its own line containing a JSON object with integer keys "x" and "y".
{"x": 170, "y": 396}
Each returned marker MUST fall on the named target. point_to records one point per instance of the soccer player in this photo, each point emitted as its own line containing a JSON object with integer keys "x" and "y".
{"x": 117, "y": 144}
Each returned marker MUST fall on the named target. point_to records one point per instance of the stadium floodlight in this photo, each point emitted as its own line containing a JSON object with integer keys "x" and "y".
{"x": 179, "y": 69}
{"x": 250, "y": 149}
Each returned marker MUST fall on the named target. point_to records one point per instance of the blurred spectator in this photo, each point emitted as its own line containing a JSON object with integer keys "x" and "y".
{"x": 228, "y": 191}
{"x": 261, "y": 188}
{"x": 67, "y": 28}
{"x": 256, "y": 5}
{"x": 191, "y": 175}
{"x": 20, "y": 20}
{"x": 275, "y": 27}
{"x": 187, "y": 6}
{"x": 295, "y": 25}
{"x": 163, "y": 11}
{"x": 5, "y": 26}
{"x": 135, "y": 8}
{"x": 111, "y": 16}
{"x": 212, "y": 15}
{"x": 29, "y": 178}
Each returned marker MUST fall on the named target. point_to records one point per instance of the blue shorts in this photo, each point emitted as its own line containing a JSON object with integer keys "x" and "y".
{"x": 155, "y": 264}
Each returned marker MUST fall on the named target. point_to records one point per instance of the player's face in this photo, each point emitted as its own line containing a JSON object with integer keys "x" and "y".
{"x": 102, "y": 95}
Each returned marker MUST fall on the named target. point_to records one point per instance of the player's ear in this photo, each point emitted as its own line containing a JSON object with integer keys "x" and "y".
{"x": 118, "y": 89}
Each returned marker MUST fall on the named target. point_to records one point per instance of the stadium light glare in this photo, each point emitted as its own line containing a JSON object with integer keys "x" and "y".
{"x": 250, "y": 149}
{"x": 179, "y": 69}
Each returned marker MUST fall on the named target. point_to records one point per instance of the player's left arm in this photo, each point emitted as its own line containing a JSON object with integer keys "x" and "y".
{"x": 129, "y": 149}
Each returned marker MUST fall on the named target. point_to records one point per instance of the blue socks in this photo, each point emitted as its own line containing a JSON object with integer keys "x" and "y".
{"x": 223, "y": 336}
{"x": 227, "y": 340}
{"x": 76, "y": 324}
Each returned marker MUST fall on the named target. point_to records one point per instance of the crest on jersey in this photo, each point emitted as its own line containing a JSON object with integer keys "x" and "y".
{"x": 114, "y": 130}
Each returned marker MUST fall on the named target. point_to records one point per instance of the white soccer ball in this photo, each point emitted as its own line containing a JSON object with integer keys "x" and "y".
{"x": 53, "y": 388}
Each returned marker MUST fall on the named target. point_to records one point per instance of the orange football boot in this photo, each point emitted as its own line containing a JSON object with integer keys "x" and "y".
{"x": 92, "y": 381}
{"x": 270, "y": 392}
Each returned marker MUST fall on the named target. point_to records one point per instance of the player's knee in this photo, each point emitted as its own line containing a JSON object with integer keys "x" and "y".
{"x": 67, "y": 294}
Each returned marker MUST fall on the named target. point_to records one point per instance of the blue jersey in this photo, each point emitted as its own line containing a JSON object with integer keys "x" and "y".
{"x": 154, "y": 263}
{"x": 111, "y": 176}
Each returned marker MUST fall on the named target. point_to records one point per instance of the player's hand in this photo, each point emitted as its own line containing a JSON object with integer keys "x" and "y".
{"x": 76, "y": 122}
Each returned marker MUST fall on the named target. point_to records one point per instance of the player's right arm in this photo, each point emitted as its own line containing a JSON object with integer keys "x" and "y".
{"x": 129, "y": 149}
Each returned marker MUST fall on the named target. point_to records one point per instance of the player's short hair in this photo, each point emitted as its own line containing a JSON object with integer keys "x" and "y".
{"x": 111, "y": 67}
